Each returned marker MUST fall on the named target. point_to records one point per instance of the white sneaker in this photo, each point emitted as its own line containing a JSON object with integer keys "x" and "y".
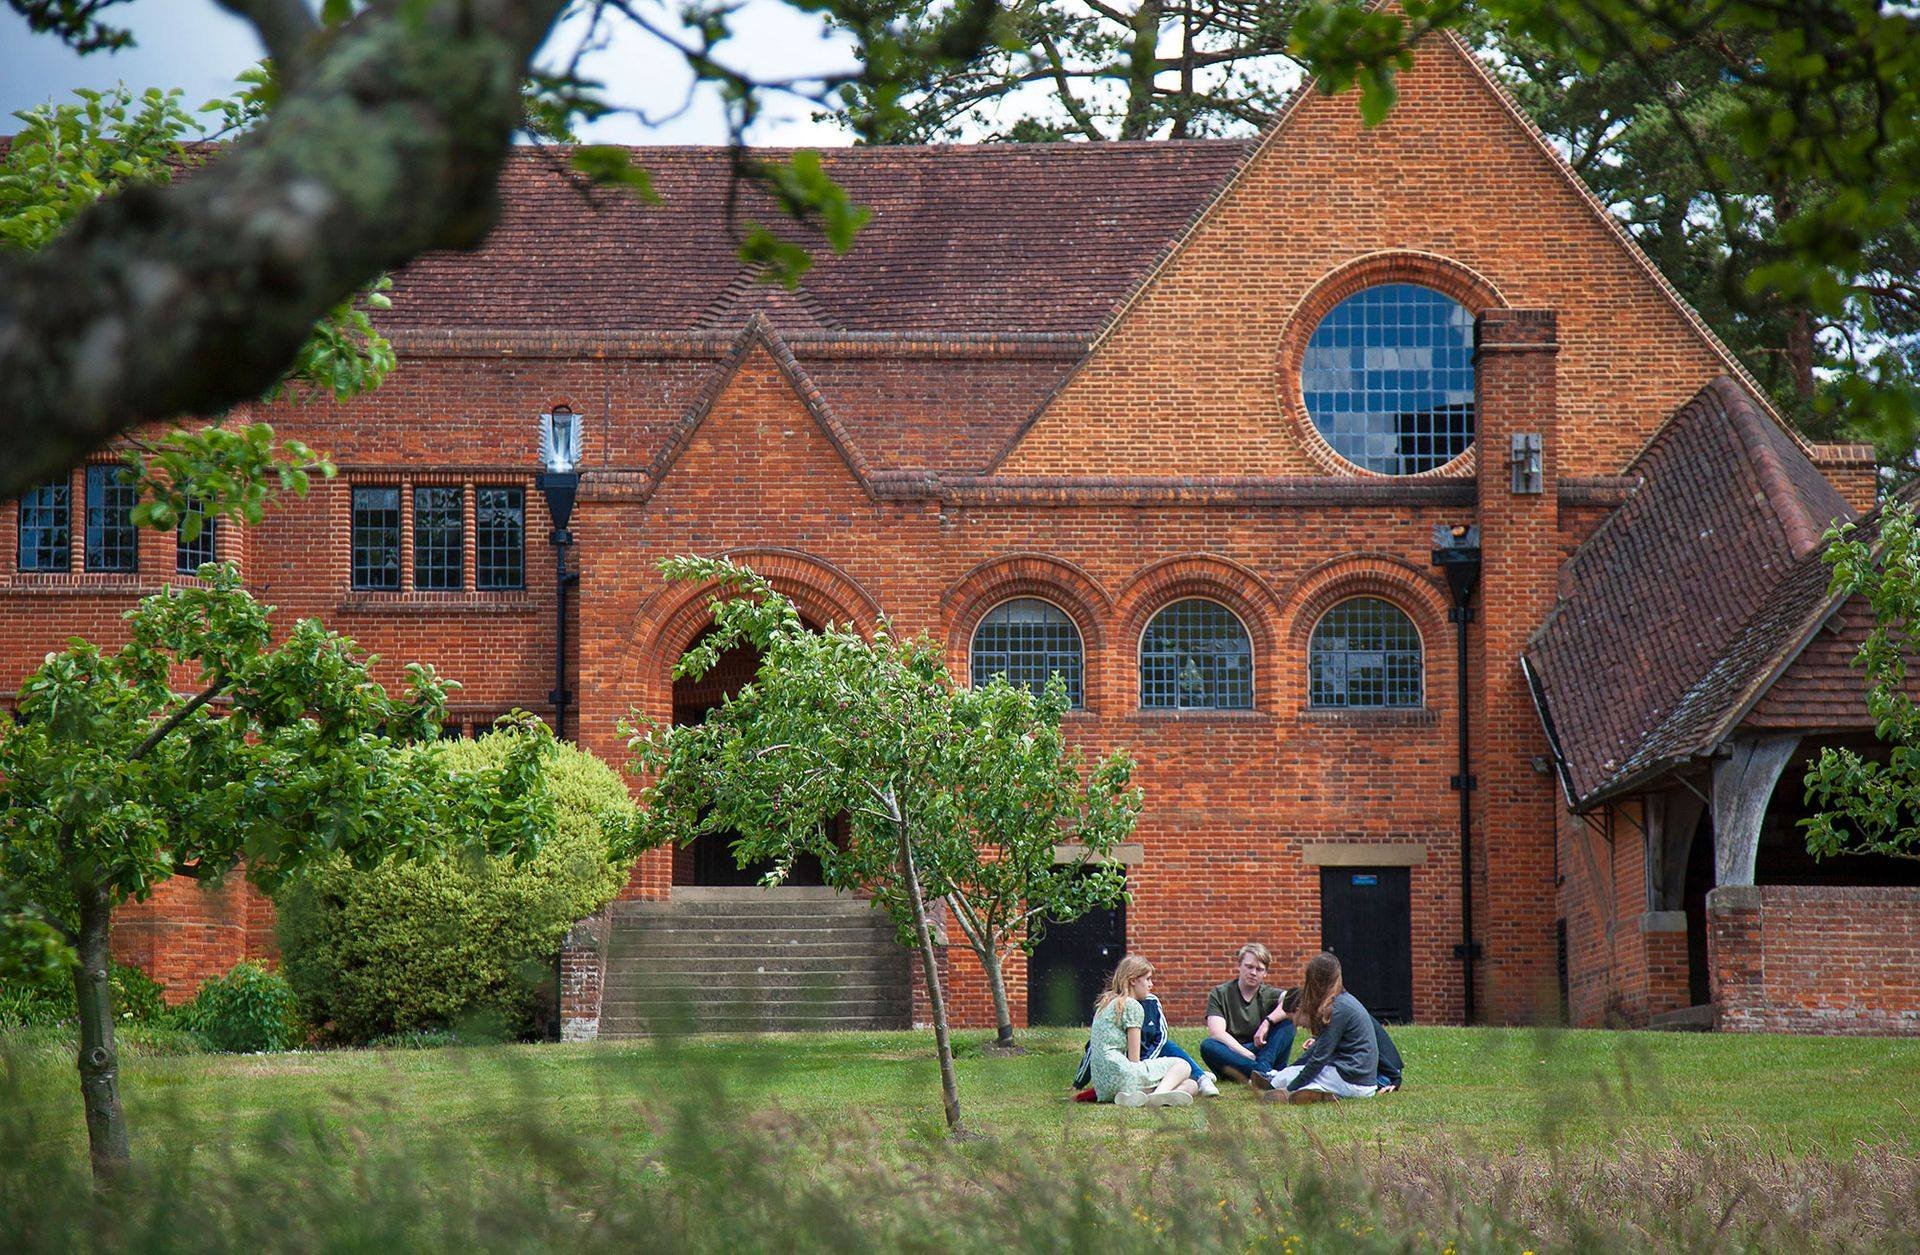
{"x": 1170, "y": 1098}
{"x": 1207, "y": 1088}
{"x": 1130, "y": 1098}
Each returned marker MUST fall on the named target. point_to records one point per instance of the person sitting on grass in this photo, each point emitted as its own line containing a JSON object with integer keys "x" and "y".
{"x": 1247, "y": 1032}
{"x": 1154, "y": 1042}
{"x": 1392, "y": 1068}
{"x": 1343, "y": 1059}
{"x": 1120, "y": 1075}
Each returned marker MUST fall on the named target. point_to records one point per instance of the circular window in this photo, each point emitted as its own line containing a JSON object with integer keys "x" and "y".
{"x": 1388, "y": 379}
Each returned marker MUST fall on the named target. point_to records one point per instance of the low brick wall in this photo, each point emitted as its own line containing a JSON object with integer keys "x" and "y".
{"x": 1815, "y": 959}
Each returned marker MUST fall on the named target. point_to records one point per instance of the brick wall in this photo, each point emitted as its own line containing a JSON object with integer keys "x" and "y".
{"x": 1815, "y": 959}
{"x": 1187, "y": 387}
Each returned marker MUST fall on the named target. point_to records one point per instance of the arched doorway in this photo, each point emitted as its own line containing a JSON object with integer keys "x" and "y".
{"x": 709, "y": 860}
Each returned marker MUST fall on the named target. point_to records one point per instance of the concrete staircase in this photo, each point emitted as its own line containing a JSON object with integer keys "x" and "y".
{"x": 752, "y": 960}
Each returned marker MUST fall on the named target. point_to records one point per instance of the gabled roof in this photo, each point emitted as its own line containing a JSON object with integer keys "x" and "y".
{"x": 760, "y": 334}
{"x": 1019, "y": 238}
{"x": 1690, "y": 598}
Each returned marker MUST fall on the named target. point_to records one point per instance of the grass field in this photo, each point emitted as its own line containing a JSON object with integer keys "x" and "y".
{"x": 1501, "y": 1138}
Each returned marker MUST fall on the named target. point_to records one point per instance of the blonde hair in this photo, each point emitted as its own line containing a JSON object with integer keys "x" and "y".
{"x": 1128, "y": 970}
{"x": 1257, "y": 950}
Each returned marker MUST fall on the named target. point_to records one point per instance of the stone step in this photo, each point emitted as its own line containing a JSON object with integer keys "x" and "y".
{"x": 766, "y": 934}
{"x": 751, "y": 985}
{"x": 826, "y": 909}
{"x": 736, "y": 952}
{"x": 699, "y": 1013}
{"x": 746, "y": 925}
{"x": 611, "y": 1028}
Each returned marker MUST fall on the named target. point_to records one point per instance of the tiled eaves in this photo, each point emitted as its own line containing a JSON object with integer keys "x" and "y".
{"x": 717, "y": 344}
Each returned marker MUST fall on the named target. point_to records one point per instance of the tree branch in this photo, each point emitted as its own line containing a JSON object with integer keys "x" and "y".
{"x": 284, "y": 26}
{"x": 178, "y": 717}
{"x": 187, "y": 299}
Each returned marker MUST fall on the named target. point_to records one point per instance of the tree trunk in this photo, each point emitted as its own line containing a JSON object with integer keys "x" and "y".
{"x": 997, "y": 985}
{"x": 1800, "y": 352}
{"x": 1143, "y": 62}
{"x": 99, "y": 1062}
{"x": 942, "y": 1043}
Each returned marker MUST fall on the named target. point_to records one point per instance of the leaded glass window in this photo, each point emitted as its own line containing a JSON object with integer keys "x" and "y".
{"x": 376, "y": 539}
{"x": 1195, "y": 655}
{"x": 45, "y": 526}
{"x": 190, "y": 555}
{"x": 499, "y": 538}
{"x": 1028, "y": 640}
{"x": 437, "y": 528}
{"x": 1365, "y": 654}
{"x": 1388, "y": 379}
{"x": 112, "y": 542}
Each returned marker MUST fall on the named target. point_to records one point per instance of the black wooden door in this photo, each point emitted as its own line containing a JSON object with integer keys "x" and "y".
{"x": 1366, "y": 920}
{"x": 1072, "y": 964}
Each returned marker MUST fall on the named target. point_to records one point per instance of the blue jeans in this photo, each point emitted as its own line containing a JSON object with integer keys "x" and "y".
{"x": 1265, "y": 1058}
{"x": 1171, "y": 1051}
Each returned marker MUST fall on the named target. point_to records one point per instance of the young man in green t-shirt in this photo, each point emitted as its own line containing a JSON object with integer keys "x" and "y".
{"x": 1248, "y": 1035}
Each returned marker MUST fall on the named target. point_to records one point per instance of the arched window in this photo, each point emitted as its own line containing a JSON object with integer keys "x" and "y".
{"x": 1365, "y": 654}
{"x": 1388, "y": 378}
{"x": 1027, "y": 640}
{"x": 1195, "y": 655}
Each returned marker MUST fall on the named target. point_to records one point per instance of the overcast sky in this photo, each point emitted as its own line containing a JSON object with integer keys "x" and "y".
{"x": 196, "y": 46}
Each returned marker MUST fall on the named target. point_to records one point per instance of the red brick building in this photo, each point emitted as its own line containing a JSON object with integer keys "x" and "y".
{"x": 1181, "y": 419}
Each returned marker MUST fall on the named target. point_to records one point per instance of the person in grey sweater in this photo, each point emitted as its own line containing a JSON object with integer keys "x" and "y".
{"x": 1343, "y": 1059}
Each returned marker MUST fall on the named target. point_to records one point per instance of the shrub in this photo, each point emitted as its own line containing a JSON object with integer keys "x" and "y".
{"x": 136, "y": 999}
{"x": 412, "y": 947}
{"x": 249, "y": 1009}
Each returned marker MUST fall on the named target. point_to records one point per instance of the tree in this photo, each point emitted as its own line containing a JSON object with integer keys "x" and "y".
{"x": 1023, "y": 793}
{"x": 67, "y": 157}
{"x": 1864, "y": 806}
{"x": 1821, "y": 105}
{"x": 383, "y": 140}
{"x": 111, "y": 781}
{"x": 1638, "y": 134}
{"x": 1087, "y": 69}
{"x": 833, "y": 726}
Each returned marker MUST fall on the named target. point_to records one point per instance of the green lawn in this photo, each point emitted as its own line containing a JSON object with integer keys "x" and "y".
{"x": 1505, "y": 1140}
{"x": 1496, "y": 1090}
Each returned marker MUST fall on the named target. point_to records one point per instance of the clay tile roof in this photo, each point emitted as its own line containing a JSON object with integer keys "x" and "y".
{"x": 1687, "y": 599}
{"x": 1028, "y": 238}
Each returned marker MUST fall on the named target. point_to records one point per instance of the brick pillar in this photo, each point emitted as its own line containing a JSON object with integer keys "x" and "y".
{"x": 1515, "y": 807}
{"x": 583, "y": 972}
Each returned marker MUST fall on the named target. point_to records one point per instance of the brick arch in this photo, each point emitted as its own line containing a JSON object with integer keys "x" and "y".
{"x": 670, "y": 620}
{"x": 1410, "y": 589}
{"x": 1050, "y": 579}
{"x": 1213, "y": 578}
{"x": 1461, "y": 282}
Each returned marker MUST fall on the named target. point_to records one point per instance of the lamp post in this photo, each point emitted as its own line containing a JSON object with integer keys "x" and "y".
{"x": 1456, "y": 551}
{"x": 559, "y": 482}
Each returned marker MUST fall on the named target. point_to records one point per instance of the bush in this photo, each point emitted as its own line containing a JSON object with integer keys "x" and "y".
{"x": 136, "y": 999}
{"x": 249, "y": 1009}
{"x": 413, "y": 947}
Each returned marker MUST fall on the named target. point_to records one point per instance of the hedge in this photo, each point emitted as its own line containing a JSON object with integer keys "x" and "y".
{"x": 408, "y": 948}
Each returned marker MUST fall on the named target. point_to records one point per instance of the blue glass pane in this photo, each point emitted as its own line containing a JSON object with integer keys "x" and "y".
{"x": 1028, "y": 641}
{"x": 1365, "y": 653}
{"x": 1196, "y": 655}
{"x": 1388, "y": 379}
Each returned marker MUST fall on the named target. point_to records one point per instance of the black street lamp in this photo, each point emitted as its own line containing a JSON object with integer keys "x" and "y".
{"x": 1456, "y": 551}
{"x": 559, "y": 483}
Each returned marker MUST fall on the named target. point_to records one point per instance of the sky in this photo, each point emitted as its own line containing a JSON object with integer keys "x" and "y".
{"x": 198, "y": 47}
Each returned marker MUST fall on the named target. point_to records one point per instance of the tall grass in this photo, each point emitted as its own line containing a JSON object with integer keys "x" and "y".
{"x": 713, "y": 1162}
